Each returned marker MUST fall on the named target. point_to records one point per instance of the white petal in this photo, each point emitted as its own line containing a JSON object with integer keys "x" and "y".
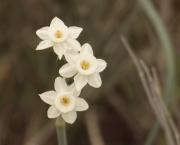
{"x": 43, "y": 33}
{"x": 60, "y": 49}
{"x": 60, "y": 85}
{"x": 48, "y": 97}
{"x": 71, "y": 56}
{"x": 81, "y": 105}
{"x": 74, "y": 31}
{"x": 74, "y": 91}
{"x": 56, "y": 22}
{"x": 80, "y": 81}
{"x": 73, "y": 44}
{"x": 53, "y": 112}
{"x": 95, "y": 80}
{"x": 67, "y": 70}
{"x": 70, "y": 117}
{"x": 60, "y": 55}
{"x": 44, "y": 45}
{"x": 86, "y": 48}
{"x": 101, "y": 65}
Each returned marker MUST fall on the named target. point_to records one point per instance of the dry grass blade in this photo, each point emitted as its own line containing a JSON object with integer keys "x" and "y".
{"x": 153, "y": 91}
{"x": 168, "y": 116}
{"x": 157, "y": 104}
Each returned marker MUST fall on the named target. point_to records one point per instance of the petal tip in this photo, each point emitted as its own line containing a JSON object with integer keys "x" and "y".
{"x": 55, "y": 18}
{"x": 80, "y": 29}
{"x": 37, "y": 48}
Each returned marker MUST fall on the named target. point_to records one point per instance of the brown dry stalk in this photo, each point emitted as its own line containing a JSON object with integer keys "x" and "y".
{"x": 152, "y": 88}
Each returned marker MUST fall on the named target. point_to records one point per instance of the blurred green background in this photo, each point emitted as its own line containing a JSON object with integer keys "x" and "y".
{"x": 119, "y": 113}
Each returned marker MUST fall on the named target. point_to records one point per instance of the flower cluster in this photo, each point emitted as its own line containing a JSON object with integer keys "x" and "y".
{"x": 81, "y": 64}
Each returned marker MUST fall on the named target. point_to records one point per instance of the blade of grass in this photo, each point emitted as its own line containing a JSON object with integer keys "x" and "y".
{"x": 153, "y": 15}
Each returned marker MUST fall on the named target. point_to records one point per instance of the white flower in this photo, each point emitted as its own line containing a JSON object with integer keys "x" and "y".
{"x": 64, "y": 101}
{"x": 85, "y": 66}
{"x": 59, "y": 36}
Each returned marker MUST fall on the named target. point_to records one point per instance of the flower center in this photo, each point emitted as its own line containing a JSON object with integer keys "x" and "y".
{"x": 85, "y": 65}
{"x": 58, "y": 34}
{"x": 65, "y": 100}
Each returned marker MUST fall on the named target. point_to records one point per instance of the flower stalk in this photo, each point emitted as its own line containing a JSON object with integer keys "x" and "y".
{"x": 61, "y": 131}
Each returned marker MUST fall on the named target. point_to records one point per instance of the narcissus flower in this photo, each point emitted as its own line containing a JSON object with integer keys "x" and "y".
{"x": 85, "y": 66}
{"x": 59, "y": 36}
{"x": 64, "y": 101}
{"x": 81, "y": 64}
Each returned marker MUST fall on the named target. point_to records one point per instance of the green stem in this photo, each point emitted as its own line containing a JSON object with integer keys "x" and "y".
{"x": 61, "y": 131}
{"x": 153, "y": 15}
